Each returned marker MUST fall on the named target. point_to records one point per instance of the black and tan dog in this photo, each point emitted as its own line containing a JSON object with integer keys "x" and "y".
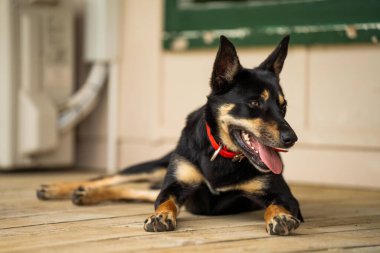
{"x": 226, "y": 160}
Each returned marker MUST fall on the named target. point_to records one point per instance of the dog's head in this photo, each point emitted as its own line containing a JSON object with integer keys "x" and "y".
{"x": 248, "y": 106}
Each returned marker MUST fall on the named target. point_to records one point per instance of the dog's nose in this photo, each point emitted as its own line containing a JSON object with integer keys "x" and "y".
{"x": 288, "y": 138}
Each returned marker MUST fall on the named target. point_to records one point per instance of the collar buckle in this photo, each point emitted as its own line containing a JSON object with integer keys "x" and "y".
{"x": 238, "y": 158}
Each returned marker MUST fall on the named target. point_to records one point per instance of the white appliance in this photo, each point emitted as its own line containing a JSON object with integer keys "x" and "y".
{"x": 38, "y": 109}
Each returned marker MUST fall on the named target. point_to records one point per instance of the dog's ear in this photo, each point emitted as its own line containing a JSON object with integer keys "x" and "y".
{"x": 276, "y": 59}
{"x": 226, "y": 66}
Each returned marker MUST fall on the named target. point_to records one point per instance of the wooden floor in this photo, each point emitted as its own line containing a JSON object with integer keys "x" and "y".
{"x": 336, "y": 220}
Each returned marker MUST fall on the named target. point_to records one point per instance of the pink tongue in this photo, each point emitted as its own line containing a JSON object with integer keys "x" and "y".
{"x": 270, "y": 158}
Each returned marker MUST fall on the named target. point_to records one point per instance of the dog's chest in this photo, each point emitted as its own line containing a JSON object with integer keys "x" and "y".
{"x": 221, "y": 174}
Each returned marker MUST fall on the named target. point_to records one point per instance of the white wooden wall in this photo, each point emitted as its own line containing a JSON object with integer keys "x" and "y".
{"x": 333, "y": 94}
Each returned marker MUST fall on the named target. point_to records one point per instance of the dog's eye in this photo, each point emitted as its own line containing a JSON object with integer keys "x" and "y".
{"x": 254, "y": 104}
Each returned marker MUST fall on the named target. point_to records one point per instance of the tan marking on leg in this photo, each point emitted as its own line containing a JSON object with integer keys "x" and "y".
{"x": 186, "y": 172}
{"x": 90, "y": 196}
{"x": 168, "y": 206}
{"x": 272, "y": 211}
{"x": 265, "y": 95}
{"x": 165, "y": 217}
{"x": 254, "y": 186}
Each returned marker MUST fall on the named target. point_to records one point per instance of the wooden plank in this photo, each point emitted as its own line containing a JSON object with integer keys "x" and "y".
{"x": 42, "y": 212}
{"x": 336, "y": 220}
{"x": 193, "y": 228}
{"x": 362, "y": 249}
{"x": 287, "y": 244}
{"x": 217, "y": 240}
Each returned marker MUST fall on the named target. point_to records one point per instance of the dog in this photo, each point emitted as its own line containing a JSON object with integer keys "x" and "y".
{"x": 227, "y": 158}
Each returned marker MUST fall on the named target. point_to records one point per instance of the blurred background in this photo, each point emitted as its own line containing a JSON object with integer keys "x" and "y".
{"x": 103, "y": 84}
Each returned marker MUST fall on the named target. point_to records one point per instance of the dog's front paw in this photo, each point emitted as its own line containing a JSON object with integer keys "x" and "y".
{"x": 160, "y": 222}
{"x": 282, "y": 224}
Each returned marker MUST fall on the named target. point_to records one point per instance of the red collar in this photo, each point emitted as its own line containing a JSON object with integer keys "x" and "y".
{"x": 224, "y": 152}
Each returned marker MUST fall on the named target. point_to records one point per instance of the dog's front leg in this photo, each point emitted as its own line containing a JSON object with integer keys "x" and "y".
{"x": 282, "y": 215}
{"x": 167, "y": 208}
{"x": 181, "y": 180}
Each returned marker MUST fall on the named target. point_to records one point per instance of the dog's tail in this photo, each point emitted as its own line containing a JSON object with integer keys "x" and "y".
{"x": 148, "y": 167}
{"x": 152, "y": 171}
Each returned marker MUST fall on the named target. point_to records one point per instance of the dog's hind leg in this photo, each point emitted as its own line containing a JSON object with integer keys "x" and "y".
{"x": 91, "y": 196}
{"x": 64, "y": 190}
{"x": 152, "y": 171}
